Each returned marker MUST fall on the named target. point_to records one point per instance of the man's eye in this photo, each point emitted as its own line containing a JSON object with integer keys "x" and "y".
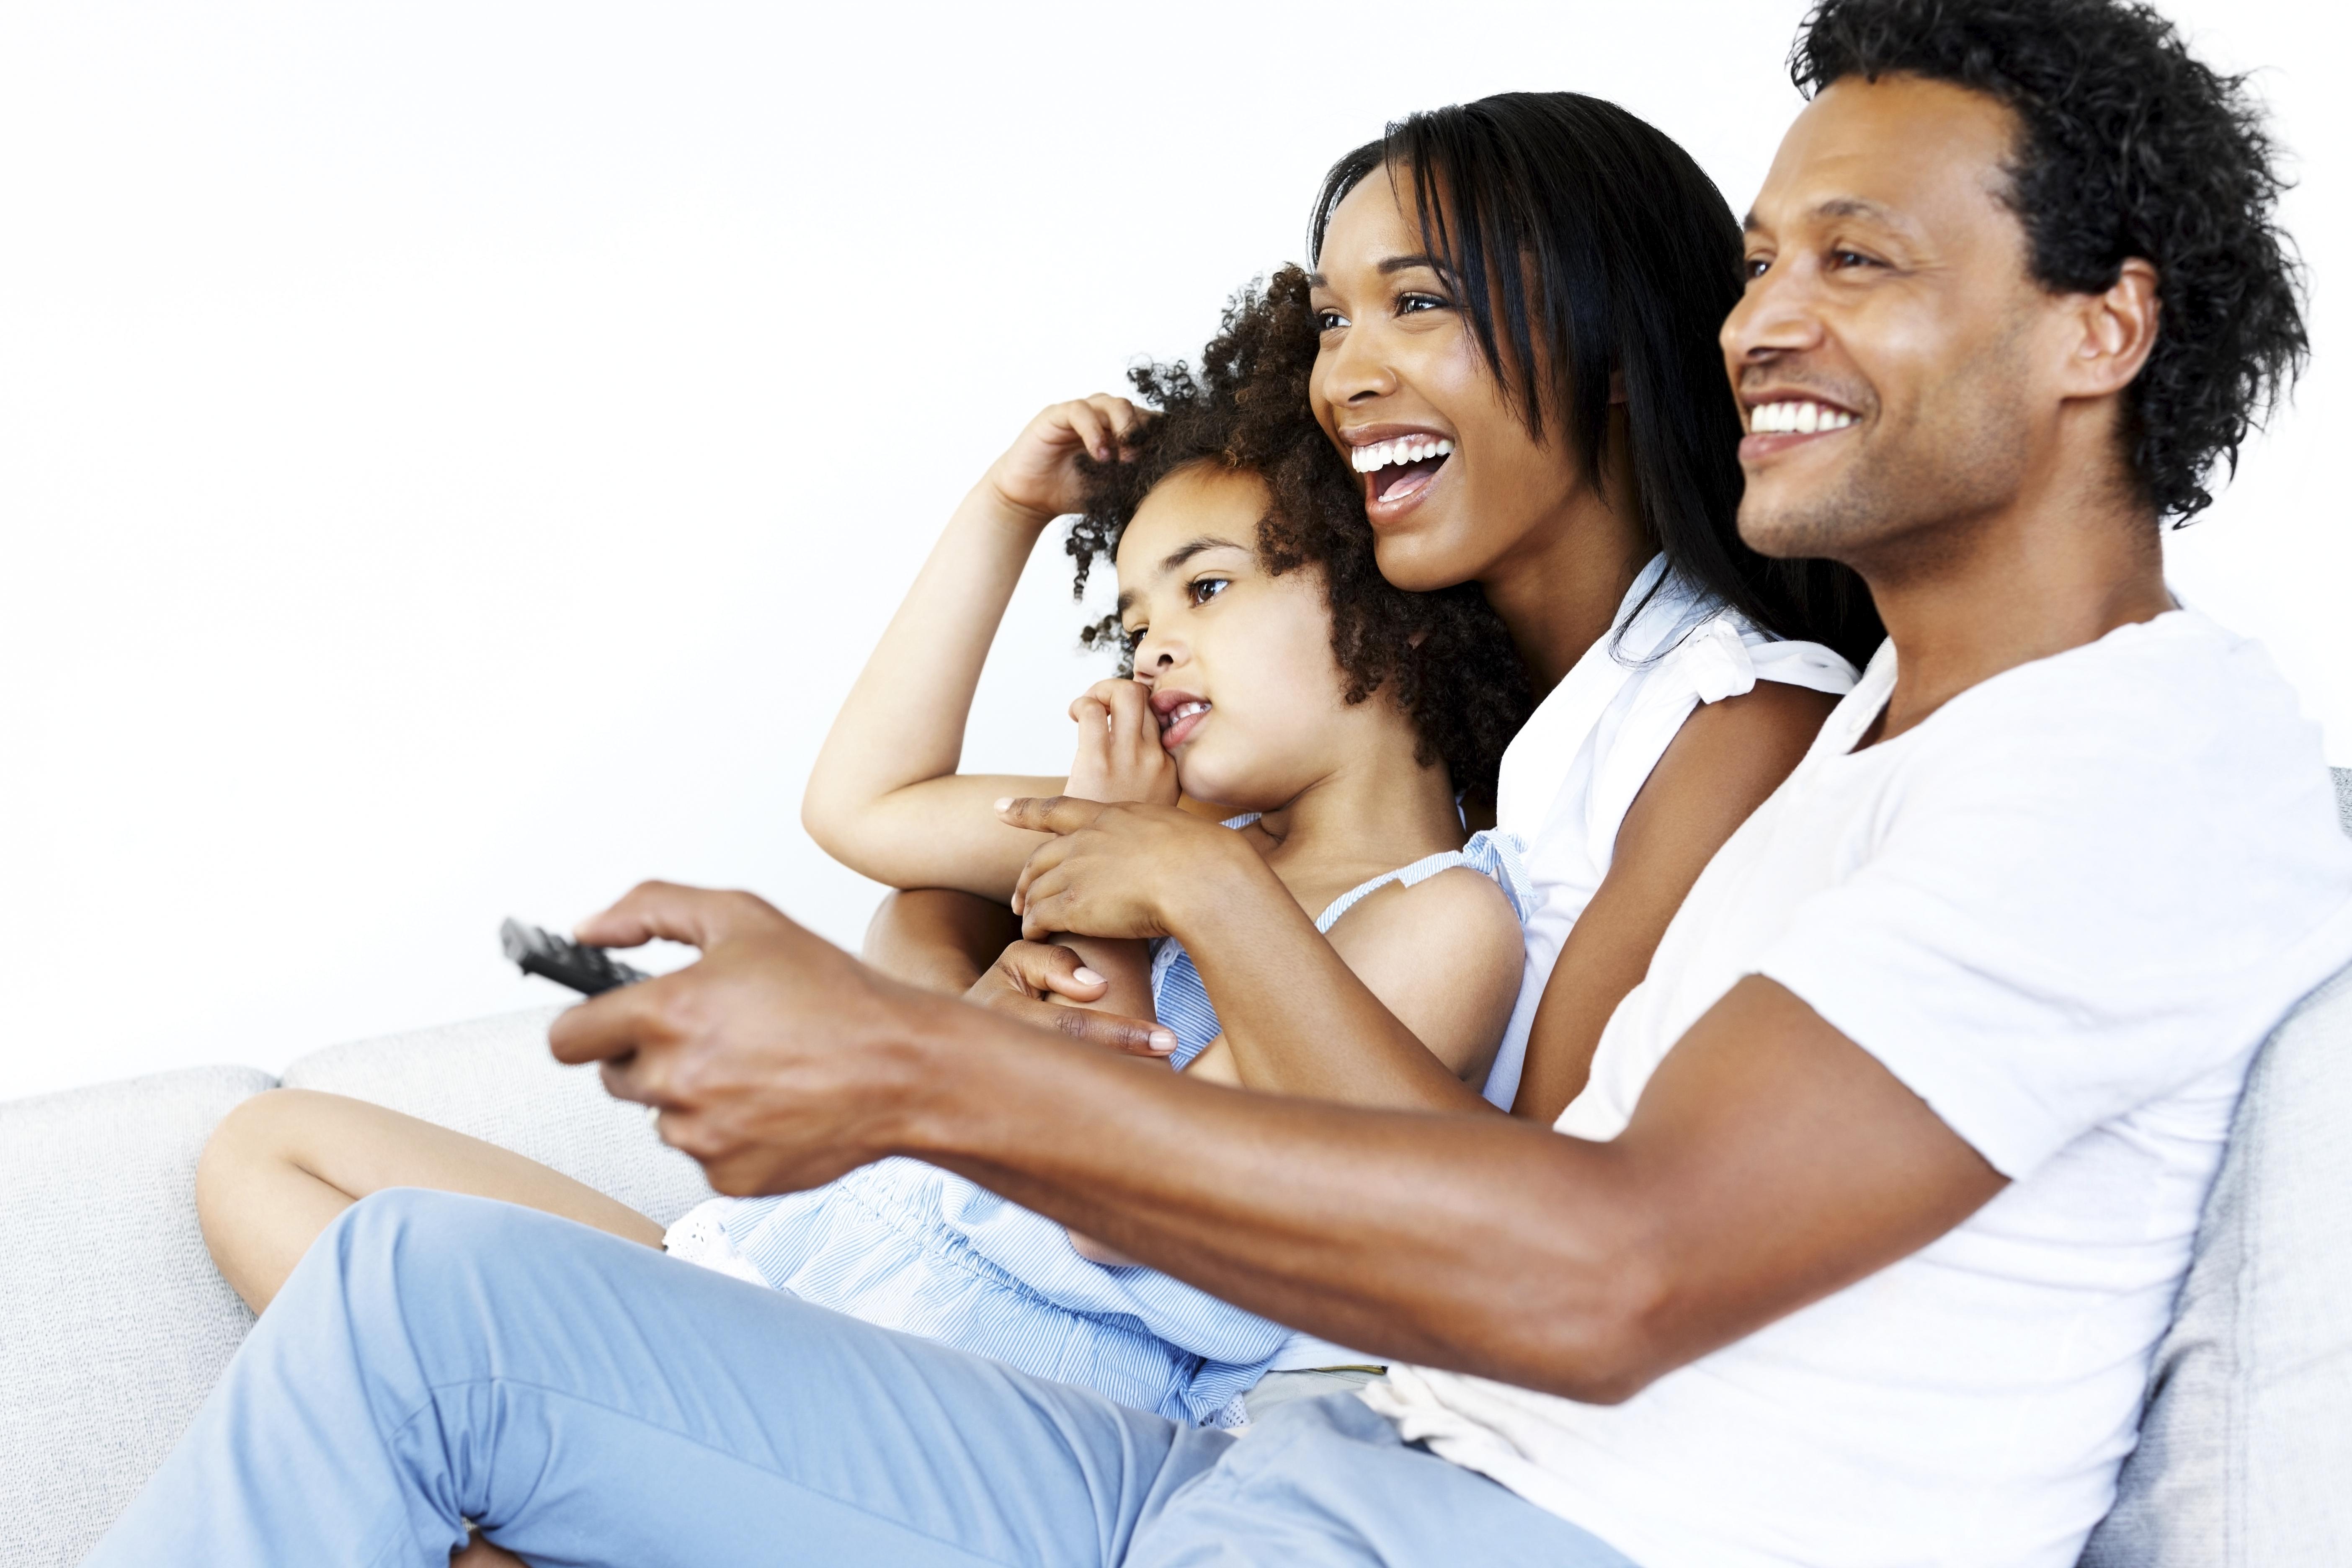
{"x": 1208, "y": 588}
{"x": 1847, "y": 258}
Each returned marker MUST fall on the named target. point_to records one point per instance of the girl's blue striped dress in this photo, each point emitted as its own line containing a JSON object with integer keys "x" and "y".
{"x": 909, "y": 1247}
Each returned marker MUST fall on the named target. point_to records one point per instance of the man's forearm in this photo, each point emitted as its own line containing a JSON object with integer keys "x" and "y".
{"x": 1459, "y": 1241}
{"x": 1769, "y": 1161}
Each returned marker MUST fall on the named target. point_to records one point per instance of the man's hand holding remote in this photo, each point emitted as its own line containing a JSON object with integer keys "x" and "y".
{"x": 777, "y": 1060}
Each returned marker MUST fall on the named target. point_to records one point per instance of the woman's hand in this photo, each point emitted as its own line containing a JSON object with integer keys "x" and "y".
{"x": 1119, "y": 755}
{"x": 1121, "y": 871}
{"x": 1036, "y": 981}
{"x": 1038, "y": 475}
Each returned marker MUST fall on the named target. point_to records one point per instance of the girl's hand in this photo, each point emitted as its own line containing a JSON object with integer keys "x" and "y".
{"x": 1122, "y": 870}
{"x": 1038, "y": 475}
{"x": 1119, "y": 755}
{"x": 1031, "y": 980}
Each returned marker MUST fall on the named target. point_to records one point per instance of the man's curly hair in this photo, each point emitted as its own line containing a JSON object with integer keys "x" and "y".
{"x": 1443, "y": 658}
{"x": 2129, "y": 147}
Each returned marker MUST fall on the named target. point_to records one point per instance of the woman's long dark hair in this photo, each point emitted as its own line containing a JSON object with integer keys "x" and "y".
{"x": 1584, "y": 242}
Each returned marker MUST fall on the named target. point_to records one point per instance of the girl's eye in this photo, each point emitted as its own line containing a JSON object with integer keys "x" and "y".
{"x": 1414, "y": 304}
{"x": 1329, "y": 320}
{"x": 1757, "y": 266}
{"x": 1133, "y": 636}
{"x": 1208, "y": 588}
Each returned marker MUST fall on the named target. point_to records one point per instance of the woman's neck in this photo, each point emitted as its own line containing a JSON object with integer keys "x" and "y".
{"x": 1557, "y": 590}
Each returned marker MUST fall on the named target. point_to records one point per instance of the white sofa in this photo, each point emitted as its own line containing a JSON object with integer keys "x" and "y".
{"x": 116, "y": 1324}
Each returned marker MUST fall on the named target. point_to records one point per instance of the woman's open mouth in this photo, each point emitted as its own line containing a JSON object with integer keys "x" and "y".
{"x": 1396, "y": 471}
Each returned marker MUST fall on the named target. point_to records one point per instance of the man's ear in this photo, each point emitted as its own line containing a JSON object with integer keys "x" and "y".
{"x": 2118, "y": 331}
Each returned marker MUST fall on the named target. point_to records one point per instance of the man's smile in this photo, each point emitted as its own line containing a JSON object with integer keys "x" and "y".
{"x": 1779, "y": 421}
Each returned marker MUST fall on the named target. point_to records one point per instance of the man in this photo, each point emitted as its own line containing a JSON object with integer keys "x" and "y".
{"x": 1854, "y": 1250}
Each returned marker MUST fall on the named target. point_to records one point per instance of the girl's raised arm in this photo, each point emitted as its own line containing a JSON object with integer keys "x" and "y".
{"x": 885, "y": 798}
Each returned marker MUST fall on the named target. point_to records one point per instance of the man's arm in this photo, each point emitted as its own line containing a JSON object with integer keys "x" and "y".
{"x": 1770, "y": 1162}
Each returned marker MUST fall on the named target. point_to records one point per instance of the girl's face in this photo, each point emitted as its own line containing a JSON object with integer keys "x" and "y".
{"x": 1453, "y": 484}
{"x": 1238, "y": 660}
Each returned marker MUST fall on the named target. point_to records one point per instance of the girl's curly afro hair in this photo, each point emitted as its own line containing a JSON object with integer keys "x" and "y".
{"x": 1443, "y": 658}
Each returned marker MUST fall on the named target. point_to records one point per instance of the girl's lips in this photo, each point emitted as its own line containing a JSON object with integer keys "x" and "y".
{"x": 1183, "y": 730}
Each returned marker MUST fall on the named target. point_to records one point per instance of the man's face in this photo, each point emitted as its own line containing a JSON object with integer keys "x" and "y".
{"x": 1895, "y": 363}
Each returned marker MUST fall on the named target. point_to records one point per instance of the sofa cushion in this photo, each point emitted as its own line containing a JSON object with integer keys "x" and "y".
{"x": 2246, "y": 1445}
{"x": 492, "y": 1078}
{"x": 118, "y": 1323}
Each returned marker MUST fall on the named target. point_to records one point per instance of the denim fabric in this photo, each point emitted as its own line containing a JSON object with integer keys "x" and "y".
{"x": 436, "y": 1359}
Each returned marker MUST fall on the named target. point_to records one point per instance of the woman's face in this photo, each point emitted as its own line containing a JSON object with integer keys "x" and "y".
{"x": 1453, "y": 484}
{"x": 1238, "y": 660}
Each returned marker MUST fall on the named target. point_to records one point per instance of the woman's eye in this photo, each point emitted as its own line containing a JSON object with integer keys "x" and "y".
{"x": 1208, "y": 588}
{"x": 1329, "y": 320}
{"x": 1757, "y": 266}
{"x": 1848, "y": 258}
{"x": 1414, "y": 304}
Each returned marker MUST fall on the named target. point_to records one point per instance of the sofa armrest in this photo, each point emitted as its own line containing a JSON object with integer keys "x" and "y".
{"x": 117, "y": 1324}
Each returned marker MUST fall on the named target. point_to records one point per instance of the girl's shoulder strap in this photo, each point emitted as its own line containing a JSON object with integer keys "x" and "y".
{"x": 1495, "y": 854}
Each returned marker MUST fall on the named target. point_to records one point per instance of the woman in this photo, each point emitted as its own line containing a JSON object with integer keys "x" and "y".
{"x": 1534, "y": 281}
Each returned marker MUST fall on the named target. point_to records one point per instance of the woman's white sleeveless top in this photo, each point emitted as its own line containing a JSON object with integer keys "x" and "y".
{"x": 1572, "y": 771}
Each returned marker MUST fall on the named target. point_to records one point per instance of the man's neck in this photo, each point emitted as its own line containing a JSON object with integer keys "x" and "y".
{"x": 1976, "y": 597}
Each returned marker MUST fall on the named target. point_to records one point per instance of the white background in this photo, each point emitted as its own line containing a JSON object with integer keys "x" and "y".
{"x": 454, "y": 457}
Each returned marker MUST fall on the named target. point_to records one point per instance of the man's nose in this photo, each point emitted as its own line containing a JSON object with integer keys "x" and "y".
{"x": 1779, "y": 314}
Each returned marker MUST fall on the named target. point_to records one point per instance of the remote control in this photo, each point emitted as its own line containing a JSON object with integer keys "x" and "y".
{"x": 587, "y": 970}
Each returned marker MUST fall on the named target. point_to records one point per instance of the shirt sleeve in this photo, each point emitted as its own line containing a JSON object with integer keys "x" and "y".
{"x": 2061, "y": 915}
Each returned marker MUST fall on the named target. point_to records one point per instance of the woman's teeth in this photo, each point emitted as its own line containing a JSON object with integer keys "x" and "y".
{"x": 1404, "y": 449}
{"x": 1802, "y": 418}
{"x": 1178, "y": 715}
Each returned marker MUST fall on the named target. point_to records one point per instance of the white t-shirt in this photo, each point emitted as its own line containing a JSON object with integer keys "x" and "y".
{"x": 1572, "y": 771}
{"x": 2064, "y": 911}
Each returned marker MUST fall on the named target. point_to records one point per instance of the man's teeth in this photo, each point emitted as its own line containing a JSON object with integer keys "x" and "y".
{"x": 1181, "y": 711}
{"x": 1403, "y": 450}
{"x": 1803, "y": 418}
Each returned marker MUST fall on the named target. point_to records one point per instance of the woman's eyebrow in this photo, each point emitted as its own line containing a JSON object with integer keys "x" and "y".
{"x": 1387, "y": 267}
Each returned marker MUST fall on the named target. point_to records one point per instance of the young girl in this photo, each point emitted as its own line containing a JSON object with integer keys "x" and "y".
{"x": 1268, "y": 668}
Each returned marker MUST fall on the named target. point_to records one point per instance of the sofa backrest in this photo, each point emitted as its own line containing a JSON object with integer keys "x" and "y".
{"x": 2245, "y": 1451}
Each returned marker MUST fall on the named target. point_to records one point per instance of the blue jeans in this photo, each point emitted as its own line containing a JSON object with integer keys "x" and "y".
{"x": 437, "y": 1359}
